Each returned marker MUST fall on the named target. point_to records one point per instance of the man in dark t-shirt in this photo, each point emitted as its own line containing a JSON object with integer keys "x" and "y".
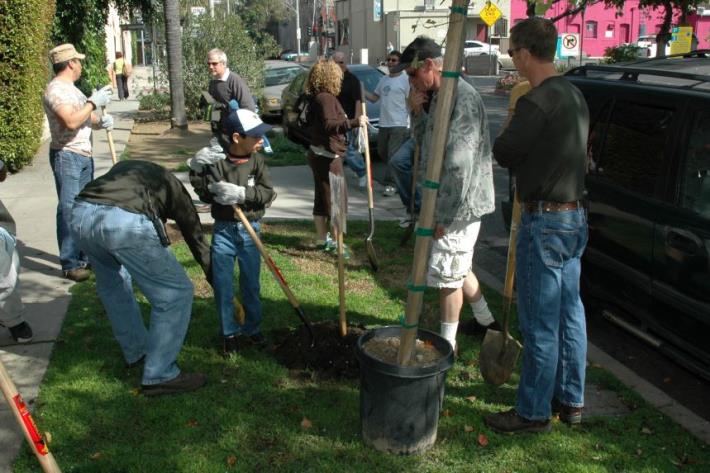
{"x": 545, "y": 145}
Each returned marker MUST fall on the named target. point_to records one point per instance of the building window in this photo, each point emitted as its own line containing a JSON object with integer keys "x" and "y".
{"x": 501, "y": 28}
{"x": 590, "y": 29}
{"x": 642, "y": 29}
{"x": 609, "y": 32}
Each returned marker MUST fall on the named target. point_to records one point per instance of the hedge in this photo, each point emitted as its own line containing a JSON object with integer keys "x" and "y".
{"x": 24, "y": 43}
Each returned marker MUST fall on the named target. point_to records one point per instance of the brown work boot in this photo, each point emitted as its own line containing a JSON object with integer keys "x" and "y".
{"x": 510, "y": 422}
{"x": 77, "y": 274}
{"x": 183, "y": 383}
{"x": 567, "y": 414}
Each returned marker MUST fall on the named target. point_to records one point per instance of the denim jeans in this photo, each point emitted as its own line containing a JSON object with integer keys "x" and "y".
{"x": 550, "y": 311}
{"x": 72, "y": 172}
{"x": 230, "y": 241}
{"x": 123, "y": 247}
{"x": 353, "y": 157}
{"x": 401, "y": 166}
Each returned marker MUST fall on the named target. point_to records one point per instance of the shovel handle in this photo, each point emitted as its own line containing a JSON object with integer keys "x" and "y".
{"x": 368, "y": 161}
{"x": 342, "y": 319}
{"x": 111, "y": 145}
{"x": 510, "y": 265}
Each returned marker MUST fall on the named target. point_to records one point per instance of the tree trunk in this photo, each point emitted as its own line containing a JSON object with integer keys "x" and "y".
{"x": 173, "y": 38}
{"x": 664, "y": 35}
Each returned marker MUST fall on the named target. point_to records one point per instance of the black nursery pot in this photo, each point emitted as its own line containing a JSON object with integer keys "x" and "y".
{"x": 399, "y": 405}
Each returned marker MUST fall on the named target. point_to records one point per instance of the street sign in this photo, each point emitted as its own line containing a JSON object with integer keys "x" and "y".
{"x": 490, "y": 14}
{"x": 569, "y": 45}
{"x": 681, "y": 41}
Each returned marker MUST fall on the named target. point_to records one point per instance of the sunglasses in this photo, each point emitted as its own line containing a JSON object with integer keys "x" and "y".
{"x": 512, "y": 51}
{"x": 210, "y": 63}
{"x": 340, "y": 62}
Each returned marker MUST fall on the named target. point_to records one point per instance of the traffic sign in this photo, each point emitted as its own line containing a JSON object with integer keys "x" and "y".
{"x": 490, "y": 14}
{"x": 569, "y": 45}
{"x": 682, "y": 38}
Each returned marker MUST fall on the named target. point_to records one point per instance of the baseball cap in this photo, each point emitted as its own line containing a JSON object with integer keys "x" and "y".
{"x": 64, "y": 52}
{"x": 245, "y": 122}
{"x": 418, "y": 50}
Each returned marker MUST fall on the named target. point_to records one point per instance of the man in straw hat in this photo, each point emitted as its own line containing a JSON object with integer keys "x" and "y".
{"x": 545, "y": 145}
{"x": 466, "y": 188}
{"x": 71, "y": 117}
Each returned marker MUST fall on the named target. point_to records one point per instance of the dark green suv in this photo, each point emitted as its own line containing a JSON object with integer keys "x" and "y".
{"x": 647, "y": 264}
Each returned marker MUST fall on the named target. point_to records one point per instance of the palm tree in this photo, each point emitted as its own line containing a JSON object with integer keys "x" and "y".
{"x": 173, "y": 39}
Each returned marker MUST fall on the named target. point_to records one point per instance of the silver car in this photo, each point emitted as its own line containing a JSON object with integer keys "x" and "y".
{"x": 277, "y": 75}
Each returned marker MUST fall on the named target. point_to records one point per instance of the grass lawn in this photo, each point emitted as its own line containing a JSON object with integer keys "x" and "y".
{"x": 254, "y": 415}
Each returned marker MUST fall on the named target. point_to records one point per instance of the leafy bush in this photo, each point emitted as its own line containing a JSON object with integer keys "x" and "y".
{"x": 24, "y": 33}
{"x": 508, "y": 81}
{"x": 623, "y": 53}
{"x": 245, "y": 55}
{"x": 156, "y": 102}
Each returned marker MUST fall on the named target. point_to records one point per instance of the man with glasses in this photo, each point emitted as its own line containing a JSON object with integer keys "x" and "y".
{"x": 71, "y": 117}
{"x": 350, "y": 98}
{"x": 466, "y": 187}
{"x": 227, "y": 85}
{"x": 545, "y": 145}
{"x": 394, "y": 121}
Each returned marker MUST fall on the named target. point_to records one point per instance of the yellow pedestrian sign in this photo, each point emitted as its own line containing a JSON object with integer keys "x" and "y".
{"x": 490, "y": 14}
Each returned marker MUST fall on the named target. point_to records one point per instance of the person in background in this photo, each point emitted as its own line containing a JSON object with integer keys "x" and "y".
{"x": 350, "y": 98}
{"x": 120, "y": 71}
{"x": 118, "y": 220}
{"x": 11, "y": 308}
{"x": 327, "y": 126}
{"x": 545, "y": 145}
{"x": 466, "y": 188}
{"x": 71, "y": 117}
{"x": 244, "y": 181}
{"x": 226, "y": 86}
{"x": 393, "y": 91}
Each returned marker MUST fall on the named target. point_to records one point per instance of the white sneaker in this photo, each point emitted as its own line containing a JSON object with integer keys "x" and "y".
{"x": 389, "y": 191}
{"x": 404, "y": 222}
{"x": 362, "y": 182}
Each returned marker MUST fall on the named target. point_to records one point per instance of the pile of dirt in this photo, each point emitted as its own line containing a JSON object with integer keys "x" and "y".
{"x": 332, "y": 356}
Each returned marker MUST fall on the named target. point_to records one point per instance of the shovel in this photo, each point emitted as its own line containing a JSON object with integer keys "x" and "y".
{"x": 500, "y": 351}
{"x": 371, "y": 255}
{"x": 338, "y": 218}
{"x": 111, "y": 145}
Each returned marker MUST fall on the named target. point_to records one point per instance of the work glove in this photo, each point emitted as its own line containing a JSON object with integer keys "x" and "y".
{"x": 207, "y": 156}
{"x": 101, "y": 97}
{"x": 215, "y": 146}
{"x": 226, "y": 193}
{"x": 106, "y": 122}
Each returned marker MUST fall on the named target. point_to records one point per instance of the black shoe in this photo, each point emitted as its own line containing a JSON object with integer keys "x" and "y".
{"x": 184, "y": 382}
{"x": 510, "y": 422}
{"x": 230, "y": 345}
{"x": 567, "y": 414}
{"x": 135, "y": 363}
{"x": 257, "y": 339}
{"x": 77, "y": 274}
{"x": 473, "y": 328}
{"x": 21, "y": 333}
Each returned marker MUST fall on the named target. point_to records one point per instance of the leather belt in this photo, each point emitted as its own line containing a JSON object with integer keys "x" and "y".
{"x": 546, "y": 206}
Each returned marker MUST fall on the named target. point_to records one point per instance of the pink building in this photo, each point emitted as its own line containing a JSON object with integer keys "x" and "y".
{"x": 604, "y": 27}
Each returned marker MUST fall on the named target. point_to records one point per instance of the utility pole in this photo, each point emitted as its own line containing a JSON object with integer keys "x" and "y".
{"x": 298, "y": 31}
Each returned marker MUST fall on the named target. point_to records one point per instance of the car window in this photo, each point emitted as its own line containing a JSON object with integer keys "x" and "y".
{"x": 695, "y": 186}
{"x": 634, "y": 146}
{"x": 280, "y": 76}
{"x": 369, "y": 78}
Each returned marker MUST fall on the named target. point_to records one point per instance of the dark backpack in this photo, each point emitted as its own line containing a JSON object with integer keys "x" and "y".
{"x": 302, "y": 107}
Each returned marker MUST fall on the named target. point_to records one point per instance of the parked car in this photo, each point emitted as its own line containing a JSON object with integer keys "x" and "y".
{"x": 277, "y": 75}
{"x": 648, "y": 46}
{"x": 647, "y": 263}
{"x": 369, "y": 76}
{"x": 477, "y": 48}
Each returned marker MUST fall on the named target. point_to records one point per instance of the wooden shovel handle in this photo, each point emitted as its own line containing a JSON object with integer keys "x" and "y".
{"x": 368, "y": 165}
{"x": 342, "y": 320}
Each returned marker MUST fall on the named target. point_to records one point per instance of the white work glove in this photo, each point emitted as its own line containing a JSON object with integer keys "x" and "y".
{"x": 204, "y": 157}
{"x": 226, "y": 193}
{"x": 215, "y": 146}
{"x": 106, "y": 122}
{"x": 101, "y": 97}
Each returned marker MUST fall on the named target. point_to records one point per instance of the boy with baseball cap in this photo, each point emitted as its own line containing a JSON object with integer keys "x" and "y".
{"x": 244, "y": 181}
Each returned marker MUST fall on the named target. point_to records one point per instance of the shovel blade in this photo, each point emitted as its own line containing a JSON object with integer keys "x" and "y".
{"x": 497, "y": 358}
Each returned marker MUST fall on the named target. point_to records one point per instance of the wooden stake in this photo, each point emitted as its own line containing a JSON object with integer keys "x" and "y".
{"x": 342, "y": 320}
{"x": 442, "y": 118}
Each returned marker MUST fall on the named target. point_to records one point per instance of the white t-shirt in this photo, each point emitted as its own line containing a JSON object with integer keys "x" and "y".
{"x": 393, "y": 92}
{"x": 57, "y": 94}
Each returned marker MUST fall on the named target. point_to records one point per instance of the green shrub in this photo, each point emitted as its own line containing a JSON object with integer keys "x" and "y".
{"x": 623, "y": 53}
{"x": 156, "y": 102}
{"x": 24, "y": 33}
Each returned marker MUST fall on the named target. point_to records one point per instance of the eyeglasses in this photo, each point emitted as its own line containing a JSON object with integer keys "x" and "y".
{"x": 340, "y": 62}
{"x": 210, "y": 63}
{"x": 512, "y": 51}
{"x": 393, "y": 59}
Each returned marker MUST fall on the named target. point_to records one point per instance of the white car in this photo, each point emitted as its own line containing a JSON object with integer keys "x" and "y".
{"x": 648, "y": 43}
{"x": 477, "y": 48}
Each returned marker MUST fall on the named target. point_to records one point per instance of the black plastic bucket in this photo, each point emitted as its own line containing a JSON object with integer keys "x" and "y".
{"x": 399, "y": 405}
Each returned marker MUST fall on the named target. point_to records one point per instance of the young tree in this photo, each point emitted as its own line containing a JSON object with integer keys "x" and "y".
{"x": 173, "y": 40}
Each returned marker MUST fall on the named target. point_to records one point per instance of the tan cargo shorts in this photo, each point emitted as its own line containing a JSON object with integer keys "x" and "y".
{"x": 451, "y": 256}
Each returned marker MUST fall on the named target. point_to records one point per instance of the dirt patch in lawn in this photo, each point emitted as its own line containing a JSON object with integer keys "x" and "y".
{"x": 158, "y": 143}
{"x": 332, "y": 357}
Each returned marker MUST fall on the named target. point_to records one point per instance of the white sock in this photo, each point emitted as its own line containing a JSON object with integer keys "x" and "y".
{"x": 481, "y": 312}
{"x": 448, "y": 331}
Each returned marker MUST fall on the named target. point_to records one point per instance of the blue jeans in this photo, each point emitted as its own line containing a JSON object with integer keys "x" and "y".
{"x": 123, "y": 247}
{"x": 550, "y": 311}
{"x": 401, "y": 165}
{"x": 353, "y": 157}
{"x": 230, "y": 241}
{"x": 72, "y": 172}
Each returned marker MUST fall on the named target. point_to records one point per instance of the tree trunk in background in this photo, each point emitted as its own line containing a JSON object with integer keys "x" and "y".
{"x": 664, "y": 35}
{"x": 173, "y": 39}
